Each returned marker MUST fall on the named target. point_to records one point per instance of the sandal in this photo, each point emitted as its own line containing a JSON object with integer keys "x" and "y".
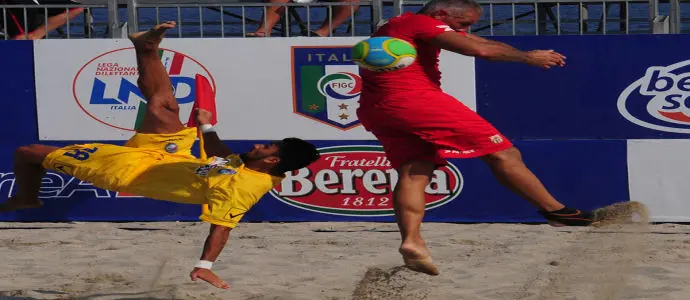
{"x": 255, "y": 34}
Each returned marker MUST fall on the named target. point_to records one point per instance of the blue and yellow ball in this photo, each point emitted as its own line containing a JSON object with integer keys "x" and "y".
{"x": 383, "y": 54}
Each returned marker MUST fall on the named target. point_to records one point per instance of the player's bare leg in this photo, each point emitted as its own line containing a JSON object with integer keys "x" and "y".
{"x": 53, "y": 23}
{"x": 28, "y": 172}
{"x": 162, "y": 110}
{"x": 162, "y": 114}
{"x": 509, "y": 169}
{"x": 273, "y": 15}
{"x": 409, "y": 203}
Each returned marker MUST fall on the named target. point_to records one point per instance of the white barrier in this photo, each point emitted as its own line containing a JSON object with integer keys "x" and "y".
{"x": 93, "y": 85}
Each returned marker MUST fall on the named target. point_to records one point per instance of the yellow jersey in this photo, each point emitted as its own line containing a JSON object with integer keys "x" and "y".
{"x": 147, "y": 168}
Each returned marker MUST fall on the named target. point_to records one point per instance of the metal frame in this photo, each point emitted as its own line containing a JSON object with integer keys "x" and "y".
{"x": 546, "y": 13}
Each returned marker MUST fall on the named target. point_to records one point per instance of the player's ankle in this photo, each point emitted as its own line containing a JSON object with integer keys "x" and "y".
{"x": 563, "y": 211}
{"x": 417, "y": 249}
{"x": 551, "y": 207}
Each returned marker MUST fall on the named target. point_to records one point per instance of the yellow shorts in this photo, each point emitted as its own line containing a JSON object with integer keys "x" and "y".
{"x": 179, "y": 143}
{"x": 113, "y": 167}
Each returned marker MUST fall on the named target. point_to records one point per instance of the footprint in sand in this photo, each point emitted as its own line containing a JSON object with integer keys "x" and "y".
{"x": 396, "y": 283}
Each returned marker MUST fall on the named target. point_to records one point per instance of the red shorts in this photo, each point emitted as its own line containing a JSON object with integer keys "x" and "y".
{"x": 428, "y": 126}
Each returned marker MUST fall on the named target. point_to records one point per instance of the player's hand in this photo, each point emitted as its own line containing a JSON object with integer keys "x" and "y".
{"x": 208, "y": 276}
{"x": 545, "y": 59}
{"x": 203, "y": 116}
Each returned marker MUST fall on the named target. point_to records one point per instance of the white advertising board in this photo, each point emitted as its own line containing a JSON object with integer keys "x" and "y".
{"x": 89, "y": 92}
{"x": 658, "y": 172}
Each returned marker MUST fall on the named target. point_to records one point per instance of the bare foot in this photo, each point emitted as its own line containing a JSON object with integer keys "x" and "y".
{"x": 149, "y": 40}
{"x": 417, "y": 259}
{"x": 14, "y": 204}
{"x": 208, "y": 276}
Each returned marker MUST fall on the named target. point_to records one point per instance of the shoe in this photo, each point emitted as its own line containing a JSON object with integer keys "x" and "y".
{"x": 569, "y": 217}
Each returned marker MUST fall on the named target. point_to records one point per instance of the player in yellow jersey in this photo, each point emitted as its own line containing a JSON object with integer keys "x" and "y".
{"x": 157, "y": 161}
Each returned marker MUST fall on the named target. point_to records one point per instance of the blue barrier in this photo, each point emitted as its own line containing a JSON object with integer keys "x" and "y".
{"x": 18, "y": 93}
{"x": 570, "y": 123}
{"x": 584, "y": 174}
{"x": 580, "y": 101}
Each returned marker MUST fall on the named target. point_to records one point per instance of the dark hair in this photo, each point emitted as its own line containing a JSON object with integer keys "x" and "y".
{"x": 295, "y": 154}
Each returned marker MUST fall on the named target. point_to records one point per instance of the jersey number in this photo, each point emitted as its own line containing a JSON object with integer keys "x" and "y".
{"x": 81, "y": 154}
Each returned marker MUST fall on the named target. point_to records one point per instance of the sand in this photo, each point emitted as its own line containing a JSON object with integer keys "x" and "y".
{"x": 344, "y": 261}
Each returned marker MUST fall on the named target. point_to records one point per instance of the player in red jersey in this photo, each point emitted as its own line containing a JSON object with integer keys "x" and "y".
{"x": 420, "y": 126}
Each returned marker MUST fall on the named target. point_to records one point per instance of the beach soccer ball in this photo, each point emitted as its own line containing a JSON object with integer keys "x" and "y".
{"x": 383, "y": 54}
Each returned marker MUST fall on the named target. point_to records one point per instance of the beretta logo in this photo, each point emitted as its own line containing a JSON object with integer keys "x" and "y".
{"x": 105, "y": 88}
{"x": 358, "y": 181}
{"x": 659, "y": 100}
{"x": 326, "y": 85}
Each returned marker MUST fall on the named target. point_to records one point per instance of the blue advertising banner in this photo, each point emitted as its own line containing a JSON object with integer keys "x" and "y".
{"x": 612, "y": 87}
{"x": 18, "y": 93}
{"x": 352, "y": 182}
{"x": 345, "y": 185}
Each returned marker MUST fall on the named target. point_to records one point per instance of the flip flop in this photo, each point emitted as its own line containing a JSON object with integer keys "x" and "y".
{"x": 255, "y": 34}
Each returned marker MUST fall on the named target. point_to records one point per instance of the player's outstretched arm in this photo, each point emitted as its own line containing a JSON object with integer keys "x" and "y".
{"x": 472, "y": 45}
{"x": 215, "y": 242}
{"x": 212, "y": 143}
{"x": 483, "y": 40}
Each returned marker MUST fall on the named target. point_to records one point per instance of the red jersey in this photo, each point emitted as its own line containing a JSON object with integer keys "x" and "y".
{"x": 423, "y": 74}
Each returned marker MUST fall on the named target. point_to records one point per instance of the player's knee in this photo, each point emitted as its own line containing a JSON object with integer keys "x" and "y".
{"x": 159, "y": 105}
{"x": 30, "y": 153}
{"x": 22, "y": 151}
{"x": 28, "y": 149}
{"x": 174, "y": 109}
{"x": 416, "y": 171}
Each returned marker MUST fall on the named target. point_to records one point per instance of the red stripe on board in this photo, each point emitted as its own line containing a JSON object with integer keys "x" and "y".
{"x": 176, "y": 67}
{"x": 677, "y": 115}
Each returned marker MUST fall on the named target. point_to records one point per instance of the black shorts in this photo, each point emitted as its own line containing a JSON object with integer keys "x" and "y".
{"x": 35, "y": 17}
